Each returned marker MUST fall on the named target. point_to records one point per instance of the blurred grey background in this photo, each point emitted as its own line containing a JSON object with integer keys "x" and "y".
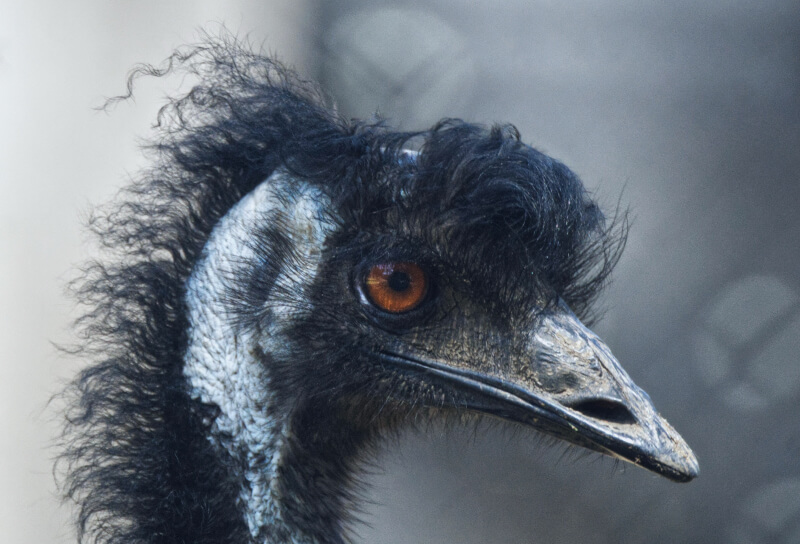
{"x": 686, "y": 112}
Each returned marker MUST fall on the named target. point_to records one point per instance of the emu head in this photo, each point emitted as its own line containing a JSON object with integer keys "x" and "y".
{"x": 439, "y": 283}
{"x": 323, "y": 284}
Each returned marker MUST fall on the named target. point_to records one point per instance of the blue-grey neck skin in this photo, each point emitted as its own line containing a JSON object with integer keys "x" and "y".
{"x": 221, "y": 365}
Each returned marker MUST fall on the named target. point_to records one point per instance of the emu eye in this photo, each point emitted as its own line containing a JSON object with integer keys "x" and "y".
{"x": 396, "y": 287}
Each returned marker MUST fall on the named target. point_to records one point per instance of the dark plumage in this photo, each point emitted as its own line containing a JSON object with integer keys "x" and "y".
{"x": 507, "y": 237}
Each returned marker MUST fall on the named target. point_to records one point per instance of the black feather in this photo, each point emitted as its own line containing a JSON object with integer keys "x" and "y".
{"x": 138, "y": 460}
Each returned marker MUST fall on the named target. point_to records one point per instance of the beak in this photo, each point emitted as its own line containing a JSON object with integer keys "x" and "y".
{"x": 565, "y": 382}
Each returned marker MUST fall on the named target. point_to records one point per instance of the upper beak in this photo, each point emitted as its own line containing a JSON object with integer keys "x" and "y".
{"x": 569, "y": 385}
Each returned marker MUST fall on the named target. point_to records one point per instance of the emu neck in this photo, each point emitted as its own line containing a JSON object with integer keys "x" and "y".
{"x": 313, "y": 476}
{"x": 289, "y": 488}
{"x": 292, "y": 468}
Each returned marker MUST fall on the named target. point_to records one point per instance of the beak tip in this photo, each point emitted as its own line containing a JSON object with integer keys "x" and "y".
{"x": 693, "y": 467}
{"x": 683, "y": 465}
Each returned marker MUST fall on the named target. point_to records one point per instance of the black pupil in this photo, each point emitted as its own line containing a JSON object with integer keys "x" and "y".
{"x": 399, "y": 281}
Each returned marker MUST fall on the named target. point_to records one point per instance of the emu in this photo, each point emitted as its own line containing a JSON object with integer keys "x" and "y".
{"x": 287, "y": 286}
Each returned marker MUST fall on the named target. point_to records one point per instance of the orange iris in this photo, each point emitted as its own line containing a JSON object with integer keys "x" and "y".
{"x": 396, "y": 287}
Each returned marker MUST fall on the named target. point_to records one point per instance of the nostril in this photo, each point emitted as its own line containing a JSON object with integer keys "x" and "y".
{"x": 605, "y": 409}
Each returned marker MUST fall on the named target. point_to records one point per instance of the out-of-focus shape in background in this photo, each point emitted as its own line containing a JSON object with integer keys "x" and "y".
{"x": 689, "y": 111}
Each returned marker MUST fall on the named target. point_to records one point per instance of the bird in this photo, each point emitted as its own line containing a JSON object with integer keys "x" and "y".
{"x": 284, "y": 287}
